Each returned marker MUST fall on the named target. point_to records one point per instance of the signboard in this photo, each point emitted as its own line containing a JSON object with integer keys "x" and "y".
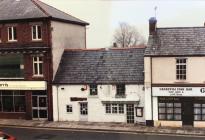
{"x": 23, "y": 85}
{"x": 178, "y": 91}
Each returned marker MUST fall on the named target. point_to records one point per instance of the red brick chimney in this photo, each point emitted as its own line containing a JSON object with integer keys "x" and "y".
{"x": 152, "y": 25}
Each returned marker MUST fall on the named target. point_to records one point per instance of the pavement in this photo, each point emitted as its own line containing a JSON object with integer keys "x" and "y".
{"x": 110, "y": 127}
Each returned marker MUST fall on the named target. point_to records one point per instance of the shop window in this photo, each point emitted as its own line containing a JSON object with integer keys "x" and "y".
{"x": 114, "y": 108}
{"x": 169, "y": 110}
{"x": 12, "y": 35}
{"x": 36, "y": 32}
{"x": 93, "y": 89}
{"x": 38, "y": 66}
{"x": 181, "y": 68}
{"x": 120, "y": 90}
{"x": 12, "y": 101}
{"x": 69, "y": 108}
{"x": 121, "y": 108}
{"x": 199, "y": 111}
{"x": 108, "y": 108}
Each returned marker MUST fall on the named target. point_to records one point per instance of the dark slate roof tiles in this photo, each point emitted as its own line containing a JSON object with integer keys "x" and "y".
{"x": 101, "y": 66}
{"x": 33, "y": 9}
{"x": 179, "y": 41}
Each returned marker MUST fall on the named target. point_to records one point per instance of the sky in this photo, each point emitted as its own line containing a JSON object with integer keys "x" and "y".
{"x": 104, "y": 16}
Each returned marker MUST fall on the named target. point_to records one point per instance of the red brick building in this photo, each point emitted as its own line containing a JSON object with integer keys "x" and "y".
{"x": 33, "y": 36}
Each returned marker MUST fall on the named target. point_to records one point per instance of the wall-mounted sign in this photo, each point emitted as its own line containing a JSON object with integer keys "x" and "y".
{"x": 178, "y": 91}
{"x": 23, "y": 85}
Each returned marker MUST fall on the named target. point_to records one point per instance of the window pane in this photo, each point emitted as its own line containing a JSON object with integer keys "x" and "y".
{"x": 40, "y": 68}
{"x": 19, "y": 102}
{"x": 39, "y": 32}
{"x": 121, "y": 108}
{"x": 10, "y": 33}
{"x": 108, "y": 108}
{"x": 203, "y": 110}
{"x": 114, "y": 108}
{"x": 203, "y": 117}
{"x": 162, "y": 110}
{"x": 161, "y": 104}
{"x": 177, "y": 110}
{"x": 169, "y": 110}
{"x": 177, "y": 104}
{"x": 7, "y": 103}
{"x": 14, "y": 33}
{"x": 35, "y": 68}
{"x": 197, "y": 110}
{"x": 40, "y": 58}
{"x": 197, "y": 117}
{"x": 170, "y": 117}
{"x": 69, "y": 108}
{"x": 177, "y": 117}
{"x": 169, "y": 104}
{"x": 162, "y": 117}
{"x": 93, "y": 89}
{"x": 34, "y": 32}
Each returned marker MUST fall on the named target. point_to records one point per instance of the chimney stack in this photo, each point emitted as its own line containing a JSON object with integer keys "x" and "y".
{"x": 152, "y": 25}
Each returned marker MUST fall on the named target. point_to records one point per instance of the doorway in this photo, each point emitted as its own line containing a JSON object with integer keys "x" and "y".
{"x": 130, "y": 113}
{"x": 39, "y": 107}
{"x": 83, "y": 111}
{"x": 187, "y": 111}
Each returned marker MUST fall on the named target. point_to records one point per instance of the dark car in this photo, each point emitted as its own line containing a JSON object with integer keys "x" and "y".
{"x": 4, "y": 136}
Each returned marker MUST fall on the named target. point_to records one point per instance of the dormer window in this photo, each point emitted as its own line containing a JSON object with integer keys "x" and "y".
{"x": 181, "y": 68}
{"x": 93, "y": 89}
{"x": 36, "y": 32}
{"x": 120, "y": 90}
{"x": 12, "y": 35}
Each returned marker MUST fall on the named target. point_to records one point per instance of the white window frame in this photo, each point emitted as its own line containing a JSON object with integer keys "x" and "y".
{"x": 12, "y": 34}
{"x": 70, "y": 106}
{"x": 37, "y": 33}
{"x": 182, "y": 75}
{"x": 38, "y": 66}
{"x": 110, "y": 108}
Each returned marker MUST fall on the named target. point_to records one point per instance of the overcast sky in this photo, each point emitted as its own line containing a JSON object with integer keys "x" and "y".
{"x": 105, "y": 15}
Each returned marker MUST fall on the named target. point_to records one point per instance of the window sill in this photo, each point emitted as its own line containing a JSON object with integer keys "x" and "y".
{"x": 37, "y": 40}
{"x": 12, "y": 41}
{"x": 93, "y": 96}
{"x": 37, "y": 76}
{"x": 120, "y": 96}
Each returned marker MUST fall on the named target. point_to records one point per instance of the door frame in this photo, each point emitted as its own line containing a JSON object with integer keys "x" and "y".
{"x": 187, "y": 101}
{"x": 40, "y": 108}
{"x": 83, "y": 117}
{"x": 130, "y": 120}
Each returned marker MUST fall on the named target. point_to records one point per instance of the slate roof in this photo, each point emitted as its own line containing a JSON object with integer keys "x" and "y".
{"x": 101, "y": 66}
{"x": 33, "y": 9}
{"x": 179, "y": 41}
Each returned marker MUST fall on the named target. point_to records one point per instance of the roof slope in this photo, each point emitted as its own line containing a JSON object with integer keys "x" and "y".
{"x": 177, "y": 41}
{"x": 101, "y": 66}
{"x": 32, "y": 9}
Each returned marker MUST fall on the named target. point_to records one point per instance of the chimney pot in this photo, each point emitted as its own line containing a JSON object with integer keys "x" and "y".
{"x": 152, "y": 25}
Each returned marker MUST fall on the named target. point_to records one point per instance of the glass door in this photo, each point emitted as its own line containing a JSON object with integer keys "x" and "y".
{"x": 39, "y": 107}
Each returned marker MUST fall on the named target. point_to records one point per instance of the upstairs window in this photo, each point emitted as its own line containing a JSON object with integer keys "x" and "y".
{"x": 12, "y": 35}
{"x": 120, "y": 90}
{"x": 38, "y": 66}
{"x": 93, "y": 89}
{"x": 36, "y": 32}
{"x": 181, "y": 68}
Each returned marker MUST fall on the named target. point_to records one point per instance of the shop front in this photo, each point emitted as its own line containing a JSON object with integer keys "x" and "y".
{"x": 23, "y": 100}
{"x": 179, "y": 106}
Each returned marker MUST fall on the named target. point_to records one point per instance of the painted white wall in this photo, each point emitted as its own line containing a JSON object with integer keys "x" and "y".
{"x": 96, "y": 109}
{"x": 147, "y": 82}
{"x": 66, "y": 36}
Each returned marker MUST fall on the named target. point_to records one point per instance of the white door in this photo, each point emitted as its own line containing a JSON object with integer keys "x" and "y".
{"x": 83, "y": 111}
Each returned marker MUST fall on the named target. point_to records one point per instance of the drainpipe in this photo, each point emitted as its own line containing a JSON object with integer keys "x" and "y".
{"x": 152, "y": 93}
{"x": 58, "y": 103}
